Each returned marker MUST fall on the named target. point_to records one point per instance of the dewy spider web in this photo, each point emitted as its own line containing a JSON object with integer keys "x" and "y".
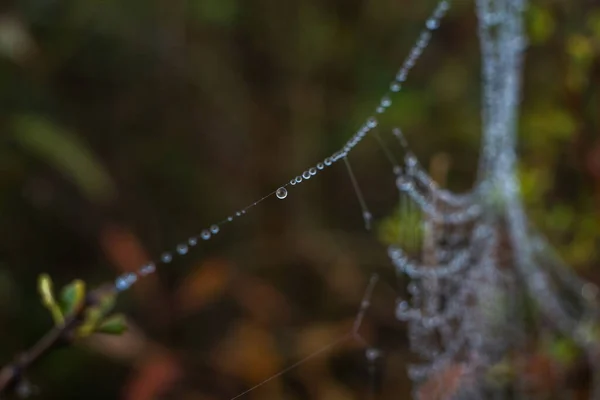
{"x": 477, "y": 260}
{"x": 125, "y": 281}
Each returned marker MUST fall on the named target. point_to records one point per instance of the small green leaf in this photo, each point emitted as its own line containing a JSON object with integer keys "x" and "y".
{"x": 72, "y": 297}
{"x": 107, "y": 301}
{"x": 93, "y": 316}
{"x": 47, "y": 295}
{"x": 114, "y": 325}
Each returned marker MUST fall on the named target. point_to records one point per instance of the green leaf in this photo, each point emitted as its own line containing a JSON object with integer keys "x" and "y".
{"x": 114, "y": 325}
{"x": 47, "y": 294}
{"x": 66, "y": 152}
{"x": 72, "y": 297}
{"x": 93, "y": 316}
{"x": 96, "y": 314}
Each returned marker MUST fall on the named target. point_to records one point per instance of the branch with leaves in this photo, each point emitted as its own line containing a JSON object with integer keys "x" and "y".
{"x": 77, "y": 314}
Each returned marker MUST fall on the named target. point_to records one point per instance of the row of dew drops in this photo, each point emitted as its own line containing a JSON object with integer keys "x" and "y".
{"x": 125, "y": 281}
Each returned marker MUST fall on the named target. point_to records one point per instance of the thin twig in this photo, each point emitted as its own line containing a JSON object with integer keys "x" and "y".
{"x": 60, "y": 335}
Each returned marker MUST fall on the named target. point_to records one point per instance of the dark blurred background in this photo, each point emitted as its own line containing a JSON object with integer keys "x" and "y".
{"x": 127, "y": 127}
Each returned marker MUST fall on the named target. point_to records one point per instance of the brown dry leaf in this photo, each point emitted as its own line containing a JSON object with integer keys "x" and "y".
{"x": 122, "y": 247}
{"x": 442, "y": 385}
{"x": 206, "y": 282}
{"x": 539, "y": 372}
{"x": 250, "y": 353}
{"x": 261, "y": 300}
{"x": 156, "y": 374}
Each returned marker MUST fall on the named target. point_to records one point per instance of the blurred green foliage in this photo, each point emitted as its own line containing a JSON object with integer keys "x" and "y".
{"x": 129, "y": 126}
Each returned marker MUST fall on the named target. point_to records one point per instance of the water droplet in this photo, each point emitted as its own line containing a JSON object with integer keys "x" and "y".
{"x": 403, "y": 311}
{"x": 372, "y": 354}
{"x": 403, "y": 305}
{"x": 306, "y": 175}
{"x": 25, "y": 389}
{"x": 147, "y": 269}
{"x": 410, "y": 160}
{"x": 401, "y": 75}
{"x": 214, "y": 229}
{"x": 372, "y": 122}
{"x": 413, "y": 288}
{"x": 166, "y": 258}
{"x": 293, "y": 182}
{"x": 121, "y": 283}
{"x": 312, "y": 171}
{"x": 328, "y": 161}
{"x": 432, "y": 24}
{"x": 131, "y": 278}
{"x": 281, "y": 193}
{"x": 380, "y": 110}
{"x": 205, "y": 234}
{"x": 320, "y": 165}
{"x": 367, "y": 216}
{"x": 230, "y": 218}
{"x": 403, "y": 183}
{"x": 397, "y": 170}
{"x": 193, "y": 241}
{"x": 238, "y": 214}
{"x": 395, "y": 87}
{"x": 182, "y": 249}
{"x": 386, "y": 101}
{"x": 298, "y": 179}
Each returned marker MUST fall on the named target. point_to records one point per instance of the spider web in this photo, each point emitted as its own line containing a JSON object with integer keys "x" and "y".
{"x": 473, "y": 259}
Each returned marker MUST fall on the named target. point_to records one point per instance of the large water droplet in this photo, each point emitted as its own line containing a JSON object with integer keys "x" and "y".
{"x": 281, "y": 193}
{"x": 166, "y": 258}
{"x": 182, "y": 249}
{"x": 214, "y": 229}
{"x": 320, "y": 165}
{"x": 205, "y": 234}
{"x": 306, "y": 175}
{"x": 312, "y": 171}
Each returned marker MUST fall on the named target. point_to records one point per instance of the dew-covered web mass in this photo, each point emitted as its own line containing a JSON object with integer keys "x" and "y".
{"x": 473, "y": 262}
